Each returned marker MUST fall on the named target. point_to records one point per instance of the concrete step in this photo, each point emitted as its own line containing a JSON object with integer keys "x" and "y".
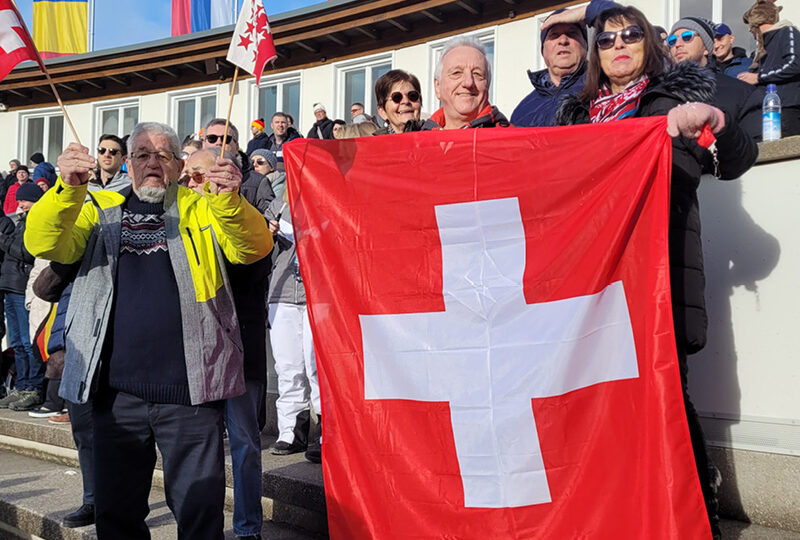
{"x": 35, "y": 495}
{"x": 292, "y": 487}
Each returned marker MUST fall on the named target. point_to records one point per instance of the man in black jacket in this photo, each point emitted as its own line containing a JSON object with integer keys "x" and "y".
{"x": 14, "y": 273}
{"x": 323, "y": 127}
{"x": 692, "y": 40}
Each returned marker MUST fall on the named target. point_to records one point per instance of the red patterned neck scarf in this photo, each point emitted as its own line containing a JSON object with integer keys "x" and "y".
{"x": 608, "y": 106}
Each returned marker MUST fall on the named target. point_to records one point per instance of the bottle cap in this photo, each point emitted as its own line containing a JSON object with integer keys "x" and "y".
{"x": 772, "y": 88}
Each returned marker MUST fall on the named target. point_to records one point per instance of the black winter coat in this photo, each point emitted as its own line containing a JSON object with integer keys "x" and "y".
{"x": 325, "y": 126}
{"x": 259, "y": 141}
{"x": 736, "y": 151}
{"x": 17, "y": 262}
{"x": 250, "y": 191}
{"x": 740, "y": 100}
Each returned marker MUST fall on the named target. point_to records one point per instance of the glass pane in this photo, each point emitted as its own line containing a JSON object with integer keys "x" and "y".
{"x": 185, "y": 118}
{"x": 35, "y": 137}
{"x": 732, "y": 11}
{"x": 130, "y": 117}
{"x": 700, "y": 8}
{"x": 291, "y": 99}
{"x": 267, "y": 104}
{"x": 110, "y": 122}
{"x": 208, "y": 110}
{"x": 55, "y": 138}
{"x": 377, "y": 72}
{"x": 353, "y": 89}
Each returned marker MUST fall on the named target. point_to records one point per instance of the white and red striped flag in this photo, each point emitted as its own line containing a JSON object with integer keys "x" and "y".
{"x": 252, "y": 47}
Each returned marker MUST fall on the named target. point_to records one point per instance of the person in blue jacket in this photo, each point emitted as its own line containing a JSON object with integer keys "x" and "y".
{"x": 42, "y": 169}
{"x": 564, "y": 53}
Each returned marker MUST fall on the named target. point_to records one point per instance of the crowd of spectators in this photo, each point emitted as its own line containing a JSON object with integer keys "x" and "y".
{"x": 150, "y": 240}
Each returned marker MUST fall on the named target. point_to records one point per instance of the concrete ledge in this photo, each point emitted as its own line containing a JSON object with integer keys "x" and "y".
{"x": 787, "y": 148}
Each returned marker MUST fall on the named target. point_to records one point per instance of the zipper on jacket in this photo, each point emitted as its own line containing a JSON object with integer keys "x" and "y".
{"x": 196, "y": 256}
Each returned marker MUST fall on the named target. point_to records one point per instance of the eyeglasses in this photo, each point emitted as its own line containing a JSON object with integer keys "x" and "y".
{"x": 631, "y": 34}
{"x": 112, "y": 151}
{"x": 143, "y": 157}
{"x": 686, "y": 37}
{"x": 212, "y": 139}
{"x": 397, "y": 97}
{"x": 259, "y": 161}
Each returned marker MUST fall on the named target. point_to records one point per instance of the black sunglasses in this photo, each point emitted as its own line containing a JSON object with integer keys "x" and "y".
{"x": 686, "y": 36}
{"x": 214, "y": 138}
{"x": 397, "y": 97}
{"x": 629, "y": 35}
{"x": 102, "y": 151}
{"x": 259, "y": 161}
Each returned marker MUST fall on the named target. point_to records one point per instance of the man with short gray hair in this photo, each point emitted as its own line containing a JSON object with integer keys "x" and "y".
{"x": 461, "y": 80}
{"x": 152, "y": 334}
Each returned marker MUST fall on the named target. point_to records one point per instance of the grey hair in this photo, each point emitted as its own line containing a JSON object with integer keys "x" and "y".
{"x": 216, "y": 151}
{"x": 462, "y": 41}
{"x": 222, "y": 122}
{"x": 155, "y": 128}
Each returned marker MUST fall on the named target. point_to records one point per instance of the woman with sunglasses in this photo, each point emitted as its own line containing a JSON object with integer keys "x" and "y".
{"x": 629, "y": 75}
{"x": 399, "y": 100}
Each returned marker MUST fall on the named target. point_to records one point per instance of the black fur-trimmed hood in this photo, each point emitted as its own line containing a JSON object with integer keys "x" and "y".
{"x": 685, "y": 82}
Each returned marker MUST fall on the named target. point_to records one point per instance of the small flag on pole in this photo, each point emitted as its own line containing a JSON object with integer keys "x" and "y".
{"x": 197, "y": 15}
{"x": 252, "y": 47}
{"x": 60, "y": 27}
{"x": 16, "y": 44}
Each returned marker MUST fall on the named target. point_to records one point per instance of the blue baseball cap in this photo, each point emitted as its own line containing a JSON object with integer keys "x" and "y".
{"x": 722, "y": 29}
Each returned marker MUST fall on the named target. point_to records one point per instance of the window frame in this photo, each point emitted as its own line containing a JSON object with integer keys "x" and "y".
{"x": 435, "y": 47}
{"x": 196, "y": 93}
{"x": 46, "y": 113}
{"x": 279, "y": 80}
{"x": 341, "y": 109}
{"x": 118, "y": 104}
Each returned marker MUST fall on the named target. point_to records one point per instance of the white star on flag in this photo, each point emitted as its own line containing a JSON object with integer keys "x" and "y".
{"x": 252, "y": 47}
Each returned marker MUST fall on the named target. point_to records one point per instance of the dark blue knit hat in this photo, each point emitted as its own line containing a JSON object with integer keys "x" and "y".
{"x": 580, "y": 27}
{"x": 29, "y": 192}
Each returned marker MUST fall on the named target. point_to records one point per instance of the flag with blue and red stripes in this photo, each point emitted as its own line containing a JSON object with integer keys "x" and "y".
{"x": 197, "y": 15}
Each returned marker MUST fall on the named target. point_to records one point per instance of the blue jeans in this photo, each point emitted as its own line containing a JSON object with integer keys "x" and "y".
{"x": 241, "y": 417}
{"x": 30, "y": 371}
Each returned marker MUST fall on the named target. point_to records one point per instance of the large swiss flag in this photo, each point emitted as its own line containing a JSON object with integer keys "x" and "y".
{"x": 492, "y": 321}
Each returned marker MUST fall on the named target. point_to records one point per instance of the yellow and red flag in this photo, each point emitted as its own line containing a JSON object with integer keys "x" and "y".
{"x": 60, "y": 27}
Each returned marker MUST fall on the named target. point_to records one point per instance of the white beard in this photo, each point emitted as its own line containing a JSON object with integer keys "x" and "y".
{"x": 151, "y": 194}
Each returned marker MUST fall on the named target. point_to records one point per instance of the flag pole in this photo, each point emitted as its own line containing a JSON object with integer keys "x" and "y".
{"x": 230, "y": 106}
{"x": 49, "y": 80}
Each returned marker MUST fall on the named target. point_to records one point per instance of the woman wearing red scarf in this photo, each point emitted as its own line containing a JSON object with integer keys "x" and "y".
{"x": 630, "y": 75}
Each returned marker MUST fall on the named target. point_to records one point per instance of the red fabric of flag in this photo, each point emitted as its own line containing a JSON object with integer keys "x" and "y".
{"x": 181, "y": 17}
{"x": 493, "y": 331}
{"x": 16, "y": 44}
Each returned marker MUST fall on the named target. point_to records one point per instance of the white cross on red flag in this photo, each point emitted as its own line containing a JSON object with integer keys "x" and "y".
{"x": 252, "y": 47}
{"x": 493, "y": 333}
{"x": 16, "y": 44}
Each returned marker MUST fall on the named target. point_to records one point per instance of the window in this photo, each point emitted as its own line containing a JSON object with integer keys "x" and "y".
{"x": 356, "y": 84}
{"x": 486, "y": 38}
{"x": 117, "y": 118}
{"x": 282, "y": 95}
{"x": 43, "y": 133}
{"x": 698, "y": 8}
{"x": 192, "y": 111}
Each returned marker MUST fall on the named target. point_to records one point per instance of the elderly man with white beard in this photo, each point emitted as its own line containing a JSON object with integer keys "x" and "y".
{"x": 152, "y": 334}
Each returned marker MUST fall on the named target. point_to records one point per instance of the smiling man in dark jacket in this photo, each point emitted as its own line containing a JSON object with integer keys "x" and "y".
{"x": 564, "y": 53}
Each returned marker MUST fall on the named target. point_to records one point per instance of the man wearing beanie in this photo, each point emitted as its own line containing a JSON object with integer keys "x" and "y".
{"x": 42, "y": 169}
{"x": 14, "y": 273}
{"x": 260, "y": 138}
{"x": 564, "y": 53}
{"x": 692, "y": 40}
{"x": 323, "y": 127}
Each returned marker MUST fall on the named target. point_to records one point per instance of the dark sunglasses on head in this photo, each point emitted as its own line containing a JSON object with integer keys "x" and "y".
{"x": 686, "y": 36}
{"x": 397, "y": 97}
{"x": 629, "y": 35}
{"x": 212, "y": 139}
{"x": 102, "y": 151}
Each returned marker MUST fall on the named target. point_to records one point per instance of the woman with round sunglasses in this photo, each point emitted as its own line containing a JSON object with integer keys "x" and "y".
{"x": 399, "y": 100}
{"x": 629, "y": 76}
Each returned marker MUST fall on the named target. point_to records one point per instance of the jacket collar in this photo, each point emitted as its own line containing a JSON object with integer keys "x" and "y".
{"x": 542, "y": 83}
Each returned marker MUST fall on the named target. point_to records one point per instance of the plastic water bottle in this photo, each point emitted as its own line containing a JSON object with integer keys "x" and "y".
{"x": 771, "y": 115}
